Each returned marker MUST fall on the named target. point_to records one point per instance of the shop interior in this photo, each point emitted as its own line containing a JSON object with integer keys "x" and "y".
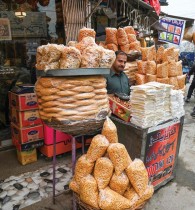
{"x": 33, "y": 23}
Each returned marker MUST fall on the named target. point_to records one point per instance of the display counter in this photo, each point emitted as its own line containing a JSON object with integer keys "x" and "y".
{"x": 157, "y": 146}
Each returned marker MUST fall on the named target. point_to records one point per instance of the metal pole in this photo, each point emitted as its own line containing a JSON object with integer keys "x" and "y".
{"x": 54, "y": 164}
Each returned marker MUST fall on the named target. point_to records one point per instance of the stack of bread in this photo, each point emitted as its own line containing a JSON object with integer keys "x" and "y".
{"x": 85, "y": 54}
{"x": 121, "y": 38}
{"x": 160, "y": 66}
{"x": 130, "y": 70}
{"x": 70, "y": 99}
{"x": 107, "y": 178}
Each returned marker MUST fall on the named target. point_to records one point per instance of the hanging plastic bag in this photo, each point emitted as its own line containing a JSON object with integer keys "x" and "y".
{"x": 156, "y": 5}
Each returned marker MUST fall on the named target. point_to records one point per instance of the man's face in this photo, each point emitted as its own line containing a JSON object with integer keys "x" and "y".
{"x": 119, "y": 63}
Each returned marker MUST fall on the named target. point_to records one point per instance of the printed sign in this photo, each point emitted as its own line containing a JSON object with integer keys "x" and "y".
{"x": 174, "y": 30}
{"x": 5, "y": 31}
{"x": 161, "y": 147}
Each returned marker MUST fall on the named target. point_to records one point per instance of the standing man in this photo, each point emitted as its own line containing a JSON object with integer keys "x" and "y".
{"x": 117, "y": 81}
{"x": 192, "y": 86}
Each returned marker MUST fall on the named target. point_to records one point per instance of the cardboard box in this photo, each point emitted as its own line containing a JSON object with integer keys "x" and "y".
{"x": 27, "y": 146}
{"x": 48, "y": 135}
{"x": 25, "y": 118}
{"x": 27, "y": 134}
{"x": 27, "y": 157}
{"x": 22, "y": 102}
{"x": 120, "y": 111}
{"x": 61, "y": 147}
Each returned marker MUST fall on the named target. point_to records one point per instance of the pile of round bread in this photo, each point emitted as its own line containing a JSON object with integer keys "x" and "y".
{"x": 72, "y": 99}
{"x": 83, "y": 54}
{"x": 106, "y": 177}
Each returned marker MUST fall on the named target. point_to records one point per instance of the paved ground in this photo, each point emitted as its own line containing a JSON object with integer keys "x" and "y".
{"x": 178, "y": 194}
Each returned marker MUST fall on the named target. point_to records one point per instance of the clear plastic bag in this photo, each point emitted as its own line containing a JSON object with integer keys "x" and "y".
{"x": 83, "y": 168}
{"x": 89, "y": 191}
{"x": 140, "y": 79}
{"x": 97, "y": 148}
{"x": 138, "y": 176}
{"x": 119, "y": 157}
{"x": 109, "y": 130}
{"x": 111, "y": 200}
{"x": 162, "y": 70}
{"x": 103, "y": 172}
{"x": 119, "y": 183}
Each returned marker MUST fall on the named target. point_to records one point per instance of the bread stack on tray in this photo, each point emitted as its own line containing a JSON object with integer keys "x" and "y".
{"x": 160, "y": 66}
{"x": 70, "y": 100}
{"x": 106, "y": 177}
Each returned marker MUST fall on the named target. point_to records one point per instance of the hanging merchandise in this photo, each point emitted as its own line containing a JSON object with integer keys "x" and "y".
{"x": 156, "y": 5}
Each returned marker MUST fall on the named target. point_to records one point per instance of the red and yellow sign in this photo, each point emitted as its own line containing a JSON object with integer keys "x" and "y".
{"x": 161, "y": 150}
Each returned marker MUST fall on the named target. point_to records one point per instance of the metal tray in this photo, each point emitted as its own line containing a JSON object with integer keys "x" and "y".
{"x": 73, "y": 72}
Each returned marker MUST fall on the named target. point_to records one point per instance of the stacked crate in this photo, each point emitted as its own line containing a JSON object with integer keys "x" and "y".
{"x": 26, "y": 125}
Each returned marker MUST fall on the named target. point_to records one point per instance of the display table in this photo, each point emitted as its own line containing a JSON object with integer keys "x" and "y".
{"x": 157, "y": 146}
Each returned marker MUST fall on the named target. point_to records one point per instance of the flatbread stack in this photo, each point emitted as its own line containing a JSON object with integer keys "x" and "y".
{"x": 105, "y": 175}
{"x": 147, "y": 98}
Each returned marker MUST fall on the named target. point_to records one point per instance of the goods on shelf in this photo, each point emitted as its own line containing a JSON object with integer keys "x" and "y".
{"x": 161, "y": 66}
{"x": 107, "y": 178}
{"x": 123, "y": 39}
{"x": 85, "y": 54}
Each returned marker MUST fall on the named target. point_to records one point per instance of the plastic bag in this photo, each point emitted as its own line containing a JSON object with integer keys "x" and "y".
{"x": 112, "y": 47}
{"x": 119, "y": 183}
{"x": 172, "y": 69}
{"x": 109, "y": 130}
{"x": 159, "y": 54}
{"x": 111, "y": 200}
{"x": 103, "y": 172}
{"x": 142, "y": 66}
{"x": 122, "y": 37}
{"x": 140, "y": 79}
{"x": 97, "y": 148}
{"x": 73, "y": 185}
{"x": 119, "y": 157}
{"x": 111, "y": 36}
{"x": 83, "y": 168}
{"x": 168, "y": 54}
{"x": 151, "y": 67}
{"x": 150, "y": 78}
{"x": 138, "y": 176}
{"x": 179, "y": 68}
{"x": 85, "y": 32}
{"x": 162, "y": 70}
{"x": 163, "y": 80}
{"x": 107, "y": 58}
{"x": 89, "y": 191}
{"x": 181, "y": 81}
{"x": 173, "y": 81}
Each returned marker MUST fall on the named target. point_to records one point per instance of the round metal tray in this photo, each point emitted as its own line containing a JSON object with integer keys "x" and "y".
{"x": 73, "y": 72}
